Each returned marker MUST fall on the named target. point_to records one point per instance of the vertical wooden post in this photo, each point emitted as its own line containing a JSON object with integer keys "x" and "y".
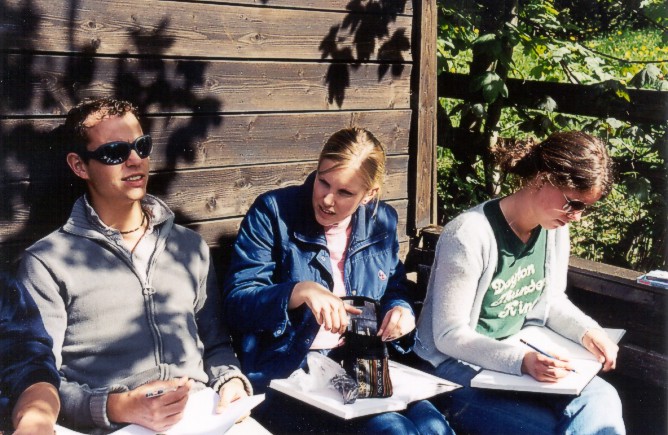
{"x": 424, "y": 116}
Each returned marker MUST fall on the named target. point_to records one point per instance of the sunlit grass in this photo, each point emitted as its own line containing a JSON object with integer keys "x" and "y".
{"x": 618, "y": 55}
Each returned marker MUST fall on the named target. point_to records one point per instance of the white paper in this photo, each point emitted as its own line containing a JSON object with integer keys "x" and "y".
{"x": 408, "y": 385}
{"x": 60, "y": 430}
{"x": 584, "y": 362}
{"x": 200, "y": 417}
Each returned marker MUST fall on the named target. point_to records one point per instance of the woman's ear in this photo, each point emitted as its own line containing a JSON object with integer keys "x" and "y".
{"x": 371, "y": 194}
{"x": 78, "y": 166}
{"x": 538, "y": 181}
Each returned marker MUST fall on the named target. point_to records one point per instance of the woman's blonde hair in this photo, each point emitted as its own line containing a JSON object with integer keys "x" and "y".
{"x": 357, "y": 148}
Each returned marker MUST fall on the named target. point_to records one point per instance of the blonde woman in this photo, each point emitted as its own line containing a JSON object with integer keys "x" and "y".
{"x": 299, "y": 250}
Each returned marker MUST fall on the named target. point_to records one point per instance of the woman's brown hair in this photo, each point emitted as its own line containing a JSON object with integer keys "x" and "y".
{"x": 568, "y": 160}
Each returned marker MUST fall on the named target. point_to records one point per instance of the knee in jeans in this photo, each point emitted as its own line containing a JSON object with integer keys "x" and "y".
{"x": 606, "y": 398}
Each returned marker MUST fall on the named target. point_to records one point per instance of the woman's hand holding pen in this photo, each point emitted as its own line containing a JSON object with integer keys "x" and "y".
{"x": 328, "y": 309}
{"x": 398, "y": 322}
{"x": 597, "y": 342}
{"x": 544, "y": 368}
{"x": 157, "y": 405}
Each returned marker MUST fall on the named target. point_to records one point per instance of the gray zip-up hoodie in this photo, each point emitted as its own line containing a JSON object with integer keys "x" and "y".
{"x": 114, "y": 328}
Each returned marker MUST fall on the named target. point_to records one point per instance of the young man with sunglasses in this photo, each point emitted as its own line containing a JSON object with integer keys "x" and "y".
{"x": 127, "y": 295}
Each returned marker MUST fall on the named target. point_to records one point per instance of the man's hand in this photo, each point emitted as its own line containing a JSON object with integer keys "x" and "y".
{"x": 328, "y": 309}
{"x": 36, "y": 410}
{"x": 545, "y": 369}
{"x": 398, "y": 322}
{"x": 230, "y": 391}
{"x": 157, "y": 413}
{"x": 597, "y": 342}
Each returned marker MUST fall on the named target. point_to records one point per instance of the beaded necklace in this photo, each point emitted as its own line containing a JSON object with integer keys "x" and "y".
{"x": 143, "y": 219}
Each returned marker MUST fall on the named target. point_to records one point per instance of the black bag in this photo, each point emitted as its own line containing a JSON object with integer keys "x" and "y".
{"x": 364, "y": 354}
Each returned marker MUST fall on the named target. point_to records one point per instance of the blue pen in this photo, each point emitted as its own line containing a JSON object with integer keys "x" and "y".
{"x": 542, "y": 352}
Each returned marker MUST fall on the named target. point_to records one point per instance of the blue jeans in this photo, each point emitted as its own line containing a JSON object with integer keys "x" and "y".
{"x": 597, "y": 410}
{"x": 282, "y": 414}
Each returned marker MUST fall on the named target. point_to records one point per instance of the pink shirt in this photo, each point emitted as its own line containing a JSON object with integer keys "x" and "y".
{"x": 337, "y": 237}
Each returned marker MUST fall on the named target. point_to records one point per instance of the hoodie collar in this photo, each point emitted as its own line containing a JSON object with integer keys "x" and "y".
{"x": 85, "y": 221}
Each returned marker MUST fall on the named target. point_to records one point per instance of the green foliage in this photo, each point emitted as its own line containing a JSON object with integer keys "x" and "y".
{"x": 613, "y": 44}
{"x": 649, "y": 77}
{"x": 491, "y": 85}
{"x": 456, "y": 194}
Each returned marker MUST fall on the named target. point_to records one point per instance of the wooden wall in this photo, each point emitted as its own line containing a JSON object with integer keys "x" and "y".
{"x": 238, "y": 95}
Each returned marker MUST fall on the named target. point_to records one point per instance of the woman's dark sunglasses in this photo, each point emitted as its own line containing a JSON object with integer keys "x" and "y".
{"x": 117, "y": 152}
{"x": 573, "y": 205}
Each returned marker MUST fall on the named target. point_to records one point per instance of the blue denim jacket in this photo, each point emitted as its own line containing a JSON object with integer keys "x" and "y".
{"x": 25, "y": 348}
{"x": 280, "y": 244}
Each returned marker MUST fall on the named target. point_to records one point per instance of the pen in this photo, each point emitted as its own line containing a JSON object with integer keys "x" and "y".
{"x": 160, "y": 392}
{"x": 542, "y": 352}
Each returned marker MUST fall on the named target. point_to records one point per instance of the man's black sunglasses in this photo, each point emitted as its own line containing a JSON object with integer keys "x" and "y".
{"x": 117, "y": 152}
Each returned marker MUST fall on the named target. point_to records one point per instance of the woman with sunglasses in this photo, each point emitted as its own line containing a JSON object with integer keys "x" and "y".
{"x": 502, "y": 265}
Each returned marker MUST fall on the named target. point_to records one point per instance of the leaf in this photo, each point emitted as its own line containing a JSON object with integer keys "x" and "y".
{"x": 479, "y": 111}
{"x": 562, "y": 121}
{"x": 537, "y": 71}
{"x": 559, "y": 53}
{"x": 621, "y": 93}
{"x": 482, "y": 39}
{"x": 483, "y": 79}
{"x": 647, "y": 77}
{"x": 504, "y": 91}
{"x": 614, "y": 123}
{"x": 639, "y": 187}
{"x": 547, "y": 104}
{"x": 488, "y": 45}
{"x": 493, "y": 88}
{"x": 462, "y": 107}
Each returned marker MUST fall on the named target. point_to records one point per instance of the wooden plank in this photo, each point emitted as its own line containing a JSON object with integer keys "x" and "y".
{"x": 223, "y": 232}
{"x": 48, "y": 85}
{"x": 230, "y": 191}
{"x": 203, "y": 141}
{"x": 640, "y": 320}
{"x": 644, "y": 105}
{"x": 194, "y": 195}
{"x": 643, "y": 365}
{"x": 389, "y": 7}
{"x": 614, "y": 282}
{"x": 218, "y": 234}
{"x": 424, "y": 123}
{"x": 186, "y": 29}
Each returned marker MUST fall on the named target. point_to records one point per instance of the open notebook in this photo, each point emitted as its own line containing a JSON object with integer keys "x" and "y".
{"x": 199, "y": 417}
{"x": 408, "y": 384}
{"x": 585, "y": 364}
